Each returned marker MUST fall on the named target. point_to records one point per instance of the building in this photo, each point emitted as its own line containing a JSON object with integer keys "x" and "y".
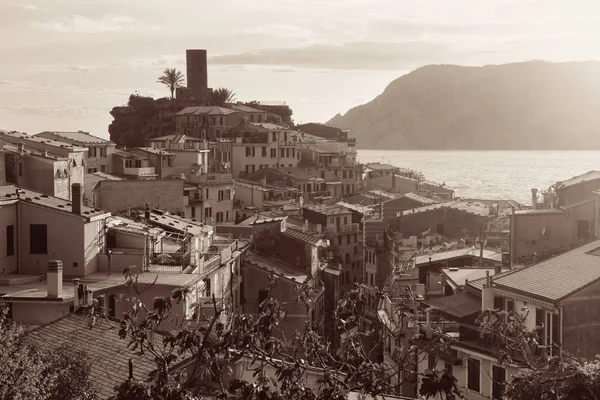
{"x": 539, "y": 233}
{"x": 197, "y": 74}
{"x": 249, "y": 113}
{"x": 335, "y": 224}
{"x": 123, "y": 195}
{"x": 91, "y": 180}
{"x": 99, "y": 154}
{"x": 325, "y": 131}
{"x": 163, "y": 161}
{"x": 189, "y": 152}
{"x": 213, "y": 202}
{"x": 206, "y": 122}
{"x": 262, "y": 145}
{"x": 263, "y": 197}
{"x": 575, "y": 190}
{"x": 132, "y": 165}
{"x": 42, "y": 165}
{"x": 37, "y": 228}
{"x": 435, "y": 190}
{"x": 455, "y": 219}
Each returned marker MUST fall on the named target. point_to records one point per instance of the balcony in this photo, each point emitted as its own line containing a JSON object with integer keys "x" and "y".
{"x": 139, "y": 171}
{"x": 196, "y": 199}
{"x": 216, "y": 179}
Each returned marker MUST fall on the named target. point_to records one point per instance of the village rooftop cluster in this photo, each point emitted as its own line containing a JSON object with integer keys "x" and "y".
{"x": 191, "y": 209}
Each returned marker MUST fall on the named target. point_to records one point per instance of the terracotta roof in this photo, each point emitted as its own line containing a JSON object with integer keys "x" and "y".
{"x": 152, "y": 150}
{"x": 451, "y": 254}
{"x": 588, "y": 176}
{"x": 79, "y": 136}
{"x": 458, "y": 305}
{"x": 178, "y": 223}
{"x": 558, "y": 277}
{"x": 303, "y": 236}
{"x": 277, "y": 266}
{"x": 206, "y": 110}
{"x": 109, "y": 354}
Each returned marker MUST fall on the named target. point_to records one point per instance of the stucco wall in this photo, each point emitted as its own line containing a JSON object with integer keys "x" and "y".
{"x": 8, "y": 213}
{"x": 39, "y": 313}
{"x": 454, "y": 221}
{"x": 166, "y": 195}
{"x": 581, "y": 320}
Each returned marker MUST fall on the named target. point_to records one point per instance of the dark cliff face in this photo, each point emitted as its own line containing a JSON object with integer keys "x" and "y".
{"x": 522, "y": 106}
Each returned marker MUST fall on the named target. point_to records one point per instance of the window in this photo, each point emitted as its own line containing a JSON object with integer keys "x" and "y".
{"x": 431, "y": 361}
{"x": 221, "y": 121}
{"x": 207, "y": 213}
{"x": 498, "y": 303}
{"x": 20, "y": 169}
{"x": 583, "y": 228}
{"x": 340, "y": 240}
{"x": 228, "y": 195}
{"x": 347, "y": 276}
{"x": 262, "y": 296}
{"x": 264, "y": 151}
{"x": 287, "y": 152}
{"x": 371, "y": 278}
{"x": 92, "y": 170}
{"x": 355, "y": 248}
{"x": 281, "y": 153}
{"x": 349, "y": 174}
{"x": 347, "y": 258}
{"x": 448, "y": 368}
{"x": 206, "y": 194}
{"x": 555, "y": 330}
{"x": 273, "y": 153}
{"x": 355, "y": 237}
{"x": 293, "y": 152}
{"x": 348, "y": 239}
{"x": 248, "y": 151}
{"x": 473, "y": 374}
{"x": 510, "y": 305}
{"x": 285, "y": 136}
{"x": 207, "y": 288}
{"x": 104, "y": 168}
{"x": 219, "y": 216}
{"x": 38, "y": 239}
{"x": 193, "y": 212}
{"x": 10, "y": 240}
{"x": 345, "y": 220}
{"x": 274, "y": 136}
{"x": 253, "y": 151}
{"x": 344, "y": 174}
{"x": 440, "y": 229}
{"x": 164, "y": 161}
{"x": 498, "y": 380}
{"x": 103, "y": 152}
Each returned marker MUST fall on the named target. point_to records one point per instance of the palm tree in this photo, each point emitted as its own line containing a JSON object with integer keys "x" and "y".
{"x": 172, "y": 79}
{"x": 222, "y": 96}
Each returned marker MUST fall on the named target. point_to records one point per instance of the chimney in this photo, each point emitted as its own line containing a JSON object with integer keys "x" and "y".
{"x": 147, "y": 212}
{"x": 76, "y": 302}
{"x": 534, "y": 198}
{"x": 54, "y": 277}
{"x": 20, "y": 147}
{"x": 487, "y": 293}
{"x": 76, "y": 195}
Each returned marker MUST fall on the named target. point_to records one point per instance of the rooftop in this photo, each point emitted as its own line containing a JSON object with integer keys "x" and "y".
{"x": 110, "y": 354}
{"x": 459, "y": 305}
{"x": 270, "y": 126}
{"x": 488, "y": 255}
{"x": 175, "y": 138}
{"x": 458, "y": 277}
{"x": 357, "y": 207}
{"x": 106, "y": 176}
{"x": 298, "y": 173}
{"x": 380, "y": 166}
{"x": 384, "y": 193}
{"x": 175, "y": 222}
{"x": 303, "y": 236}
{"x": 420, "y": 199}
{"x": 127, "y": 154}
{"x": 205, "y": 110}
{"x": 8, "y": 194}
{"x": 466, "y": 206}
{"x": 588, "y": 176}
{"x": 152, "y": 150}
{"x": 557, "y": 277}
{"x": 14, "y": 148}
{"x": 244, "y": 108}
{"x": 540, "y": 211}
{"x": 276, "y": 266}
{"x": 18, "y": 136}
{"x": 478, "y": 283}
{"x": 328, "y": 209}
{"x": 80, "y": 136}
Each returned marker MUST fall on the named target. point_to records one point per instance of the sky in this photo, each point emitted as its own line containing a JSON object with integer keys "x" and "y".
{"x": 65, "y": 63}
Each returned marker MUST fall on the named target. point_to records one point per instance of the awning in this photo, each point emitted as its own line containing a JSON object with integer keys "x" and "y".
{"x": 458, "y": 305}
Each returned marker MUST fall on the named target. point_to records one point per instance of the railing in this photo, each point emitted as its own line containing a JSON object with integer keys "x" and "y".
{"x": 139, "y": 171}
{"x": 196, "y": 199}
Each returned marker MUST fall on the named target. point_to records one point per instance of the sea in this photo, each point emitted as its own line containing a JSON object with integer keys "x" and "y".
{"x": 490, "y": 174}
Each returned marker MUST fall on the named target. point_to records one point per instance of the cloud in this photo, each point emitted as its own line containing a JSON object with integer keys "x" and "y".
{"x": 31, "y": 7}
{"x": 279, "y": 31}
{"x": 82, "y": 24}
{"x": 357, "y": 55}
{"x": 76, "y": 112}
{"x": 28, "y": 86}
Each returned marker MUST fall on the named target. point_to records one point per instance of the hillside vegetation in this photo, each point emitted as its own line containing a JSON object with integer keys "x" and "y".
{"x": 522, "y": 106}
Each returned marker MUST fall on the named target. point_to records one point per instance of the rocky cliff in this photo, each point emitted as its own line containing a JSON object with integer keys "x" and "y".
{"x": 522, "y": 106}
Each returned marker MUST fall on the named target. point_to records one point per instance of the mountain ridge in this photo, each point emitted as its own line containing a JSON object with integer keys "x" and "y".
{"x": 534, "y": 105}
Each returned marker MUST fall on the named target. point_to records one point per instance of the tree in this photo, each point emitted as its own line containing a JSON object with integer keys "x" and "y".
{"x": 217, "y": 340}
{"x": 28, "y": 372}
{"x": 221, "y": 96}
{"x": 172, "y": 79}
